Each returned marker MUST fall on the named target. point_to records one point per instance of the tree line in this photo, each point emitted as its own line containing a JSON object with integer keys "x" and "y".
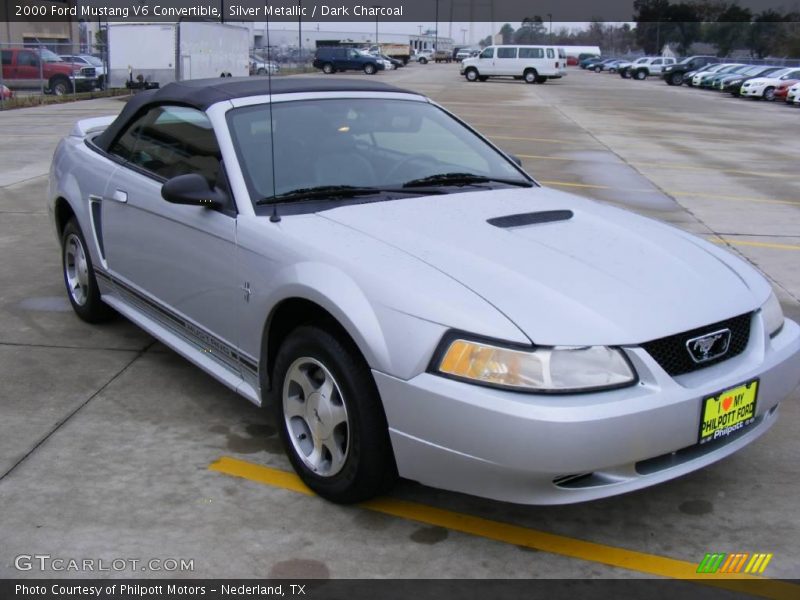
{"x": 726, "y": 25}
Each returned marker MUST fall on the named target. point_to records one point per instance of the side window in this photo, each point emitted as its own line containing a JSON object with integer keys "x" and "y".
{"x": 6, "y": 57}
{"x": 506, "y": 53}
{"x": 352, "y": 54}
{"x": 26, "y": 58}
{"x": 169, "y": 141}
{"x": 551, "y": 53}
{"x": 657, "y": 61}
{"x": 488, "y": 53}
{"x": 531, "y": 53}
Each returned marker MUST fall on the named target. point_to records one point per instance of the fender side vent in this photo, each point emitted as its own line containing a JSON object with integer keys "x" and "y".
{"x": 522, "y": 219}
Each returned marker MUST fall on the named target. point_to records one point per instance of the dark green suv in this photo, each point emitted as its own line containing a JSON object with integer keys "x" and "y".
{"x": 335, "y": 59}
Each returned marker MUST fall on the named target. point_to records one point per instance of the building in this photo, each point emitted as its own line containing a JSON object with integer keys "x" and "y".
{"x": 311, "y": 38}
{"x": 58, "y": 36}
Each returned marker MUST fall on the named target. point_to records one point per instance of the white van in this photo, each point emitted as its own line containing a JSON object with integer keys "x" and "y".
{"x": 534, "y": 64}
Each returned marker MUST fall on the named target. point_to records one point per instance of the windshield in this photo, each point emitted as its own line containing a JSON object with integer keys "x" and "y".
{"x": 375, "y": 143}
{"x": 49, "y": 56}
{"x": 780, "y": 73}
{"x": 93, "y": 60}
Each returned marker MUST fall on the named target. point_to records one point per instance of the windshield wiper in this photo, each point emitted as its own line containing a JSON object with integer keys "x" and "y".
{"x": 328, "y": 191}
{"x": 462, "y": 179}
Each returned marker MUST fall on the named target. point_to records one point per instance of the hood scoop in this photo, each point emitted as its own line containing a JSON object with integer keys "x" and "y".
{"x": 533, "y": 218}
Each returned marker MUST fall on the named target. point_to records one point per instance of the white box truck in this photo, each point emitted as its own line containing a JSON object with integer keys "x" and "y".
{"x": 165, "y": 52}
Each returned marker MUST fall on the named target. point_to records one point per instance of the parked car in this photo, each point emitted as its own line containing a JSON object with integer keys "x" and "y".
{"x": 333, "y": 59}
{"x": 707, "y": 80}
{"x": 464, "y": 53}
{"x": 589, "y": 61}
{"x": 602, "y": 65}
{"x": 764, "y": 87}
{"x": 89, "y": 60}
{"x": 673, "y": 74}
{"x": 616, "y": 65}
{"x": 442, "y": 56}
{"x": 533, "y": 64}
{"x": 390, "y": 63}
{"x": 260, "y": 66}
{"x": 645, "y": 66}
{"x": 712, "y": 70}
{"x": 423, "y": 57}
{"x": 793, "y": 94}
{"x": 782, "y": 91}
{"x": 734, "y": 83}
{"x": 33, "y": 68}
{"x": 413, "y": 304}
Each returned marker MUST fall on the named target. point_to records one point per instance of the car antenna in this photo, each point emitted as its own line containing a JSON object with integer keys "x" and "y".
{"x": 275, "y": 217}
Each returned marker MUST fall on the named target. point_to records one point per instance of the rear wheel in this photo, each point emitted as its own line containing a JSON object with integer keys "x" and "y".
{"x": 471, "y": 74}
{"x": 328, "y": 68}
{"x": 369, "y": 69}
{"x": 79, "y": 278}
{"x": 330, "y": 417}
{"x": 625, "y": 74}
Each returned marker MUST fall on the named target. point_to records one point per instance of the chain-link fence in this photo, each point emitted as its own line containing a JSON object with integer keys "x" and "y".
{"x": 33, "y": 71}
{"x": 280, "y": 59}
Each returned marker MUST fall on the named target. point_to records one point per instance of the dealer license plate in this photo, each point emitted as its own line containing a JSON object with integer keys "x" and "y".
{"x": 729, "y": 411}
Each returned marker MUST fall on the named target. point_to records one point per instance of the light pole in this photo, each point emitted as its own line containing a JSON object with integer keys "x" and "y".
{"x": 550, "y": 17}
{"x": 376, "y": 24}
{"x": 299, "y": 30}
{"x": 463, "y": 36}
{"x": 436, "y": 33}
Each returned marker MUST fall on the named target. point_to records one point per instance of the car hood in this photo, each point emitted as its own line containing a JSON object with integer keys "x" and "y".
{"x": 763, "y": 81}
{"x": 603, "y": 276}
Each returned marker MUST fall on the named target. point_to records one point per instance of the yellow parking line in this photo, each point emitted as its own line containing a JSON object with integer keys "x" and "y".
{"x": 774, "y": 246}
{"x": 659, "y": 165}
{"x": 670, "y": 192}
{"x": 650, "y": 564}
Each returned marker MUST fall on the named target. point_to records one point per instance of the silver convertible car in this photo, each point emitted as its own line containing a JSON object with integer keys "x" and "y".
{"x": 407, "y": 300}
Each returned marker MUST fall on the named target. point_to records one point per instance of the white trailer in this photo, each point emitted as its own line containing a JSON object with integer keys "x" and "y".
{"x": 165, "y": 52}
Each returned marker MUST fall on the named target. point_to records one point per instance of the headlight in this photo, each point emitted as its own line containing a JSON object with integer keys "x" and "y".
{"x": 556, "y": 369}
{"x": 772, "y": 313}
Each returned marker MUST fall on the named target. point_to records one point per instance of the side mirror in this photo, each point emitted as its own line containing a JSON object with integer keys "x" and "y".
{"x": 194, "y": 190}
{"x": 515, "y": 159}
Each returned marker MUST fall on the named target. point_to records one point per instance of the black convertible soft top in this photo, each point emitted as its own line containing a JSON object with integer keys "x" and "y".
{"x": 202, "y": 93}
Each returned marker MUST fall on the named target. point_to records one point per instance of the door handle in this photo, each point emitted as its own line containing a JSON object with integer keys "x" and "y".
{"x": 120, "y": 196}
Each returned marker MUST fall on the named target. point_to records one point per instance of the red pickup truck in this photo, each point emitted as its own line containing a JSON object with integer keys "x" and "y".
{"x": 30, "y": 68}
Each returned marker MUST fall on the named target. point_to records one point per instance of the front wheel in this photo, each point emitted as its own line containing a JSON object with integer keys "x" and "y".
{"x": 640, "y": 75}
{"x": 79, "y": 278}
{"x": 676, "y": 79}
{"x": 330, "y": 417}
{"x": 471, "y": 74}
{"x": 769, "y": 94}
{"x": 625, "y": 74}
{"x": 423, "y": 61}
{"x": 328, "y": 69}
{"x": 60, "y": 86}
{"x": 369, "y": 69}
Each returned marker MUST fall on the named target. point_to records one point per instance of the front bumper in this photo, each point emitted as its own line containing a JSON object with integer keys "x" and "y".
{"x": 752, "y": 91}
{"x": 539, "y": 449}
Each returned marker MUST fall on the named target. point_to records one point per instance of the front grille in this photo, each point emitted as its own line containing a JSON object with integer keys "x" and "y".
{"x": 670, "y": 352}
{"x": 88, "y": 71}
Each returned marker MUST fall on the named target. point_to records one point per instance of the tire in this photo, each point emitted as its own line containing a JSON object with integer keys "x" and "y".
{"x": 471, "y": 74}
{"x": 625, "y": 74}
{"x": 597, "y": 69}
{"x": 675, "y": 79}
{"x": 369, "y": 69}
{"x": 261, "y": 71}
{"x": 348, "y": 459}
{"x": 640, "y": 75}
{"x": 328, "y": 69}
{"x": 101, "y": 82}
{"x": 423, "y": 61}
{"x": 79, "y": 278}
{"x": 60, "y": 86}
{"x": 530, "y": 76}
{"x": 769, "y": 94}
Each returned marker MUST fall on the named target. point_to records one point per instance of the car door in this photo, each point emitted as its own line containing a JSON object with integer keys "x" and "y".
{"x": 28, "y": 69}
{"x": 177, "y": 263}
{"x": 9, "y": 68}
{"x": 486, "y": 62}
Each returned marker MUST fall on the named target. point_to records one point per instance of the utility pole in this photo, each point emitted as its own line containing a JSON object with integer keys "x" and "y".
{"x": 463, "y": 36}
{"x": 299, "y": 30}
{"x": 550, "y": 17}
{"x": 436, "y": 33}
{"x": 376, "y": 24}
